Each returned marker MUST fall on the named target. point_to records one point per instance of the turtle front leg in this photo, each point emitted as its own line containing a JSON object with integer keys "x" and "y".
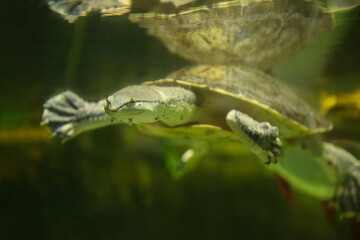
{"x": 260, "y": 137}
{"x": 67, "y": 115}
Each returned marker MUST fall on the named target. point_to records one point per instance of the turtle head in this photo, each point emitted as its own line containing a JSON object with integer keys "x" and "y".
{"x": 135, "y": 104}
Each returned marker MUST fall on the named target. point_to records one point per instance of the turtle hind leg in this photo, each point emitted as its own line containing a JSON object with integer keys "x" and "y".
{"x": 348, "y": 194}
{"x": 260, "y": 137}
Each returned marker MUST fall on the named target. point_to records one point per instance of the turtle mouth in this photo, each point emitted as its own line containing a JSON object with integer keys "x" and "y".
{"x": 127, "y": 113}
{"x": 108, "y": 107}
{"x": 130, "y": 103}
{"x": 124, "y": 110}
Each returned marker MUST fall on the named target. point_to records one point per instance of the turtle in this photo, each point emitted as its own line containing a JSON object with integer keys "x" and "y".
{"x": 258, "y": 33}
{"x": 226, "y": 97}
{"x": 224, "y": 103}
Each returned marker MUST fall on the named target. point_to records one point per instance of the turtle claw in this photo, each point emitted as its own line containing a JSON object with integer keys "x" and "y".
{"x": 276, "y": 146}
{"x": 64, "y": 132}
{"x": 44, "y": 122}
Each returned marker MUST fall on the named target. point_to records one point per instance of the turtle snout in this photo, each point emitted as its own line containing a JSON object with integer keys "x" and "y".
{"x": 108, "y": 105}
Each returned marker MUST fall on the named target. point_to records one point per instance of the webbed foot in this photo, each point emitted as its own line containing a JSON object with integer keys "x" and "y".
{"x": 348, "y": 193}
{"x": 260, "y": 137}
{"x": 61, "y": 114}
{"x": 68, "y": 115}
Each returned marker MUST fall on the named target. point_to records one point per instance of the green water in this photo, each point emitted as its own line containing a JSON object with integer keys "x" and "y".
{"x": 113, "y": 183}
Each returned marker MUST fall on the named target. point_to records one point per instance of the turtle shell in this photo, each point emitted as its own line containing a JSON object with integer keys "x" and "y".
{"x": 221, "y": 88}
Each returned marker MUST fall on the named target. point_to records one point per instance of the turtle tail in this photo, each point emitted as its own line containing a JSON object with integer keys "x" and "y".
{"x": 348, "y": 193}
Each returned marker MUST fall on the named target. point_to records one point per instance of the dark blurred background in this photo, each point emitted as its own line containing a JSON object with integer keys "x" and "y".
{"x": 113, "y": 183}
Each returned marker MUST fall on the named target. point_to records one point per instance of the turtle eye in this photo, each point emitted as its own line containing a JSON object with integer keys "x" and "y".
{"x": 131, "y": 102}
{"x": 108, "y": 104}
